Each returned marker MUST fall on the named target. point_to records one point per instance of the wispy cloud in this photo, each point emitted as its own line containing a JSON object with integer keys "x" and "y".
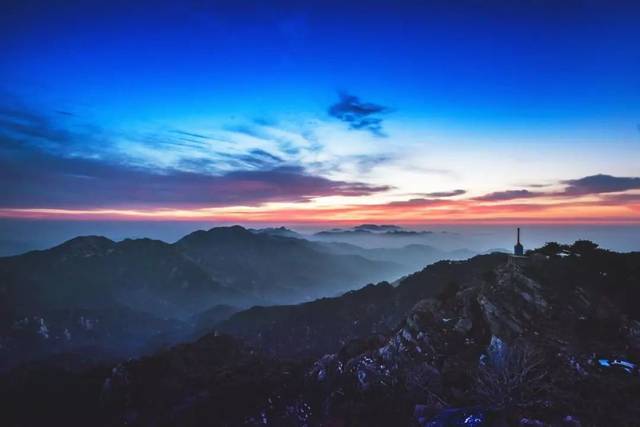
{"x": 443, "y": 194}
{"x": 35, "y": 179}
{"x": 359, "y": 115}
{"x": 42, "y": 164}
{"x": 418, "y": 203}
{"x": 588, "y": 185}
{"x": 190, "y": 134}
{"x": 54, "y": 161}
{"x": 498, "y": 196}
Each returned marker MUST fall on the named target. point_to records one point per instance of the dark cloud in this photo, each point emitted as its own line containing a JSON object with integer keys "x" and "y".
{"x": 440, "y": 194}
{"x": 596, "y": 184}
{"x": 358, "y": 114}
{"x": 508, "y": 195}
{"x": 22, "y": 128}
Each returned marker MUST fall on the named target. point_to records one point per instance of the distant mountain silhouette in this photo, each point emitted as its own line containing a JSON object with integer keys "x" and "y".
{"x": 95, "y": 272}
{"x": 372, "y": 236}
{"x": 279, "y": 231}
{"x": 413, "y": 257}
{"x": 277, "y": 268}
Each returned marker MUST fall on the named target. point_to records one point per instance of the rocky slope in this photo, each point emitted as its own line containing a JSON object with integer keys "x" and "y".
{"x": 321, "y": 326}
{"x": 505, "y": 352}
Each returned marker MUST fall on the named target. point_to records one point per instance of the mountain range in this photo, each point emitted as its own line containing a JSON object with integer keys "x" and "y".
{"x": 550, "y": 339}
{"x": 79, "y": 296}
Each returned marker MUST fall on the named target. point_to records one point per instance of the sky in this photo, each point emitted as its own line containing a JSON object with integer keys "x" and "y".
{"x": 321, "y": 112}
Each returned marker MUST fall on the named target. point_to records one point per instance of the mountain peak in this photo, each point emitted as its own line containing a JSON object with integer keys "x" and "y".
{"x": 86, "y": 245}
{"x": 279, "y": 232}
{"x": 232, "y": 228}
{"x": 215, "y": 233}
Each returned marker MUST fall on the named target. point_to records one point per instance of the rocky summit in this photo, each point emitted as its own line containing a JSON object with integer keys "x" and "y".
{"x": 550, "y": 339}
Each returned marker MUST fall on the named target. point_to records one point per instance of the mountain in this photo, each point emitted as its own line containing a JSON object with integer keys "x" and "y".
{"x": 278, "y": 268}
{"x": 216, "y": 381}
{"x": 100, "y": 299}
{"x": 411, "y": 257}
{"x": 318, "y": 327}
{"x": 552, "y": 339}
{"x": 541, "y": 341}
{"x": 375, "y": 228}
{"x": 95, "y": 272}
{"x": 389, "y": 236}
{"x": 277, "y": 231}
{"x": 367, "y": 229}
{"x": 78, "y": 338}
{"x": 229, "y": 265}
{"x": 205, "y": 321}
{"x": 169, "y": 292}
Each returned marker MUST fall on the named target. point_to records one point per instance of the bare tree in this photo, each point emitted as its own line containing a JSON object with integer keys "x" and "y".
{"x": 511, "y": 375}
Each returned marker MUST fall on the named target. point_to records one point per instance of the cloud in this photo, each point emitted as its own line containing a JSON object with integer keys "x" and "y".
{"x": 627, "y": 198}
{"x": 597, "y": 184}
{"x": 508, "y": 195}
{"x": 288, "y": 142}
{"x": 442, "y": 194}
{"x": 588, "y": 185}
{"x": 20, "y": 126}
{"x": 359, "y": 115}
{"x": 43, "y": 164}
{"x": 255, "y": 159}
{"x": 191, "y": 134}
{"x": 34, "y": 179}
{"x": 254, "y": 131}
{"x": 420, "y": 203}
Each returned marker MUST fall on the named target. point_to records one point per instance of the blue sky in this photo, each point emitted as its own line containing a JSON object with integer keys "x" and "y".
{"x": 487, "y": 62}
{"x": 357, "y": 102}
